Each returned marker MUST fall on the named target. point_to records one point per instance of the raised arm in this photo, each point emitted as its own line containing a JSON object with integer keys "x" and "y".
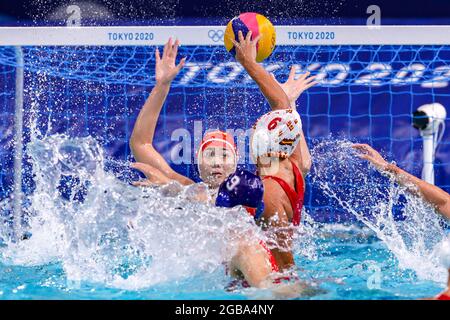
{"x": 434, "y": 195}
{"x": 141, "y": 142}
{"x": 246, "y": 56}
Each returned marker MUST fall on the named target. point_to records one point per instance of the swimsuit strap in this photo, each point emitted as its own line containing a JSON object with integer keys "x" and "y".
{"x": 273, "y": 262}
{"x": 296, "y": 197}
{"x": 443, "y": 297}
{"x": 299, "y": 184}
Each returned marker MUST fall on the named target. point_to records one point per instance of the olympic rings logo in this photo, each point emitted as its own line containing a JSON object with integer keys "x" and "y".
{"x": 215, "y": 35}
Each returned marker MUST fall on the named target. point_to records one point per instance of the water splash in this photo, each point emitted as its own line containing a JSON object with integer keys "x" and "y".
{"x": 408, "y": 226}
{"x": 104, "y": 230}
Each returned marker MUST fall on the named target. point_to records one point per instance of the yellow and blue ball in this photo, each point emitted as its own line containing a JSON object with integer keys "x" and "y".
{"x": 259, "y": 25}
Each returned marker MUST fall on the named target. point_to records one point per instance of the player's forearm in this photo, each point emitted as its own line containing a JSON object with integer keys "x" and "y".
{"x": 303, "y": 149}
{"x": 144, "y": 128}
{"x": 431, "y": 193}
{"x": 269, "y": 87}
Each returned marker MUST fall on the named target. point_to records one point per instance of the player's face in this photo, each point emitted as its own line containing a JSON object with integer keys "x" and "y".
{"x": 216, "y": 164}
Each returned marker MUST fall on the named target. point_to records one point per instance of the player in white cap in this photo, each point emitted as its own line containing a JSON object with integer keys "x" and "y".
{"x": 280, "y": 151}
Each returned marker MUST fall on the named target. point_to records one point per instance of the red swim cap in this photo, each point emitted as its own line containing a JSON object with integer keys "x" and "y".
{"x": 217, "y": 139}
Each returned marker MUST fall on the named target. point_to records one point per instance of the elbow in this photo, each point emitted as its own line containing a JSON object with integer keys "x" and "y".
{"x": 136, "y": 144}
{"x": 137, "y": 140}
{"x": 307, "y": 166}
{"x": 132, "y": 141}
{"x": 133, "y": 144}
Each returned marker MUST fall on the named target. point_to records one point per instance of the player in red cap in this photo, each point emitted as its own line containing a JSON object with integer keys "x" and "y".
{"x": 217, "y": 157}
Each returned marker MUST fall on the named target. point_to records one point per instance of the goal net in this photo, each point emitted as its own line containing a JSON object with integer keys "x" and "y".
{"x": 93, "y": 82}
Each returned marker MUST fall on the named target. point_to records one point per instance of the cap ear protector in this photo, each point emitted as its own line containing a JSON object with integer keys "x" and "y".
{"x": 276, "y": 134}
{"x": 242, "y": 188}
{"x": 216, "y": 139}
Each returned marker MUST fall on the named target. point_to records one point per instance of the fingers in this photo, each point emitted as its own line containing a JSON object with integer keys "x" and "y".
{"x": 248, "y": 37}
{"x": 236, "y": 44}
{"x": 141, "y": 183}
{"x": 360, "y": 146}
{"x": 303, "y": 84}
{"x": 304, "y": 76}
{"x": 309, "y": 79}
{"x": 167, "y": 47}
{"x": 157, "y": 55}
{"x": 255, "y": 41}
{"x": 175, "y": 48}
{"x": 309, "y": 85}
{"x": 171, "y": 48}
{"x": 363, "y": 156}
{"x": 144, "y": 168}
{"x": 241, "y": 36}
{"x": 137, "y": 165}
{"x": 292, "y": 72}
{"x": 181, "y": 64}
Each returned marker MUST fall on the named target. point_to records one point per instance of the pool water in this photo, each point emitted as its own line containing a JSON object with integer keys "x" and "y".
{"x": 346, "y": 268}
{"x": 101, "y": 238}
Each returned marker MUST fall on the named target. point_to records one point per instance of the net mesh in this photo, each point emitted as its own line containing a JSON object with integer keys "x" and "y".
{"x": 366, "y": 94}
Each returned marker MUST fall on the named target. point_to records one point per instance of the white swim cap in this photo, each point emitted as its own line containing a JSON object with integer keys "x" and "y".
{"x": 444, "y": 253}
{"x": 276, "y": 134}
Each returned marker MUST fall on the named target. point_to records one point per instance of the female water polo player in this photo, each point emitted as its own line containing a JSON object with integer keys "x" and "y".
{"x": 254, "y": 261}
{"x": 216, "y": 144}
{"x": 431, "y": 193}
{"x": 280, "y": 150}
{"x": 216, "y": 159}
{"x": 217, "y": 153}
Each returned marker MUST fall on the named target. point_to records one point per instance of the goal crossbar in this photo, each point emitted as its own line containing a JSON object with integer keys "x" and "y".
{"x": 213, "y": 35}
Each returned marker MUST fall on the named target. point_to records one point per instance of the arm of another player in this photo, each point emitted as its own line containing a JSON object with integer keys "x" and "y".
{"x": 434, "y": 195}
{"x": 141, "y": 142}
{"x": 276, "y": 220}
{"x": 293, "y": 89}
{"x": 253, "y": 262}
{"x": 153, "y": 175}
{"x": 246, "y": 56}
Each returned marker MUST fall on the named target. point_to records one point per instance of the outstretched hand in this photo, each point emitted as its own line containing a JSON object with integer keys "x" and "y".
{"x": 370, "y": 154}
{"x": 295, "y": 87}
{"x": 153, "y": 175}
{"x": 165, "y": 68}
{"x": 246, "y": 47}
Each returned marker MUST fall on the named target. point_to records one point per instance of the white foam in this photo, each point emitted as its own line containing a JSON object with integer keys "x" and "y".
{"x": 172, "y": 238}
{"x": 444, "y": 252}
{"x": 373, "y": 199}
